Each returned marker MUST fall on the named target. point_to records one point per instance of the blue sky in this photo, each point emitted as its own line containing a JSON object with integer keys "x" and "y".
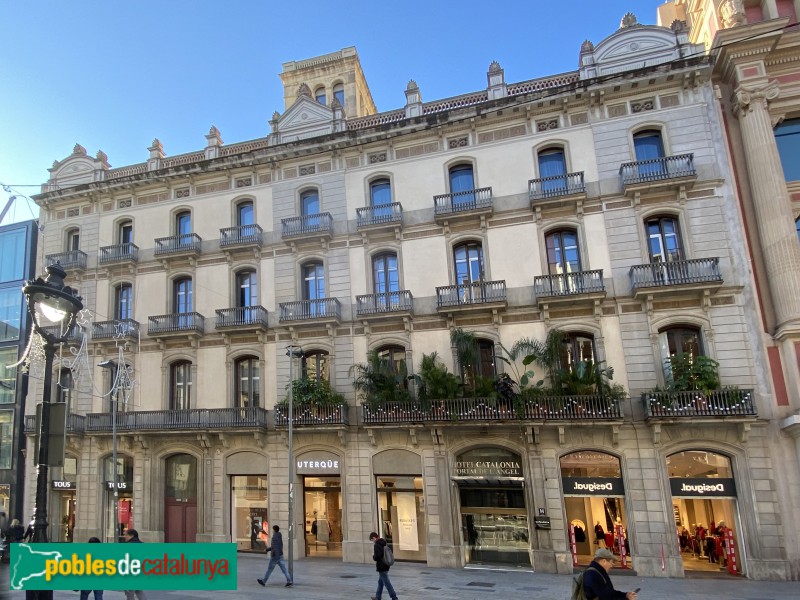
{"x": 114, "y": 75}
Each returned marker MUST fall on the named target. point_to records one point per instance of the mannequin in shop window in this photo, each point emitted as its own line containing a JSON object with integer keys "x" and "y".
{"x": 599, "y": 535}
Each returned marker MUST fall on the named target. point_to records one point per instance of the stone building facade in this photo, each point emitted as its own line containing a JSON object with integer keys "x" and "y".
{"x": 598, "y": 202}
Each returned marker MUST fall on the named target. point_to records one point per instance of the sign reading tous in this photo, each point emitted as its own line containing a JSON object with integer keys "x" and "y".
{"x": 700, "y": 487}
{"x": 592, "y": 486}
{"x": 63, "y": 485}
{"x": 317, "y": 463}
{"x": 121, "y": 485}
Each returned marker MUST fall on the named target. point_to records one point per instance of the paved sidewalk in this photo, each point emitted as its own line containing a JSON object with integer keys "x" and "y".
{"x": 329, "y": 578}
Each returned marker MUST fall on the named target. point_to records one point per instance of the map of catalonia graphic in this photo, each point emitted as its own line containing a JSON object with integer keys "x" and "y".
{"x": 28, "y": 564}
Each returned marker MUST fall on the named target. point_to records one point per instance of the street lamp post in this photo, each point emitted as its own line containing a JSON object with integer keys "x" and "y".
{"x": 57, "y": 302}
{"x": 112, "y": 367}
{"x": 292, "y": 352}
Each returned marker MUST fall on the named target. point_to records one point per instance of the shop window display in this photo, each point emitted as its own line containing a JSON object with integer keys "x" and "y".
{"x": 250, "y": 527}
{"x": 116, "y": 526}
{"x": 402, "y": 516}
{"x": 323, "y": 516}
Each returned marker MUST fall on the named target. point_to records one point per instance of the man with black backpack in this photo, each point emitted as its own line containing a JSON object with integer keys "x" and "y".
{"x": 594, "y": 582}
{"x": 383, "y": 557}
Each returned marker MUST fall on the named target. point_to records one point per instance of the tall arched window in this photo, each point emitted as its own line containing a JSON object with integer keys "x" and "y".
{"x": 338, "y": 93}
{"x": 553, "y": 170}
{"x": 125, "y": 232}
{"x": 663, "y": 239}
{"x": 577, "y": 347}
{"x": 649, "y": 147}
{"x": 248, "y": 383}
{"x": 396, "y": 357}
{"x": 245, "y": 214}
{"x": 787, "y": 138}
{"x": 384, "y": 273}
{"x": 380, "y": 196}
{"x": 180, "y": 397}
{"x": 677, "y": 340}
{"x": 183, "y": 223}
{"x": 182, "y": 295}
{"x": 563, "y": 253}
{"x": 313, "y": 281}
{"x": 315, "y": 365}
{"x": 319, "y": 96}
{"x": 73, "y": 239}
{"x": 468, "y": 262}
{"x": 246, "y": 288}
{"x": 123, "y": 302}
{"x": 462, "y": 184}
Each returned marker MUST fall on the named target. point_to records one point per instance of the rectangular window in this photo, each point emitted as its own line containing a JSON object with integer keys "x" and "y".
{"x": 10, "y": 314}
{"x": 8, "y": 376}
{"x": 12, "y": 255}
{"x": 787, "y": 137}
{"x": 6, "y": 438}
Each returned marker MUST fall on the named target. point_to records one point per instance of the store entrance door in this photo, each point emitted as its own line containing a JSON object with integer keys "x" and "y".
{"x": 180, "y": 499}
{"x": 322, "y": 505}
{"x": 67, "y": 506}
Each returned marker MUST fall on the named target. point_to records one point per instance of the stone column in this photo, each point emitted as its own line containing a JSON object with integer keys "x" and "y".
{"x": 770, "y": 200}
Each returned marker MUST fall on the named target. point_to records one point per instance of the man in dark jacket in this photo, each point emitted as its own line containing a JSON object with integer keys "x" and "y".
{"x": 276, "y": 548}
{"x": 596, "y": 582}
{"x": 132, "y": 537}
{"x": 382, "y": 568}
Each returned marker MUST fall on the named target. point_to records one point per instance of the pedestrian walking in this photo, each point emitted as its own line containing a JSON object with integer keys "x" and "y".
{"x": 132, "y": 537}
{"x": 276, "y": 549}
{"x": 596, "y": 581}
{"x": 98, "y": 594}
{"x": 378, "y": 552}
{"x": 16, "y": 532}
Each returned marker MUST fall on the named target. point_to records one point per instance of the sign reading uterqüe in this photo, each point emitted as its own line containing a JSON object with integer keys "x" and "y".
{"x": 317, "y": 463}
{"x": 123, "y": 567}
{"x": 592, "y": 486}
{"x": 699, "y": 487}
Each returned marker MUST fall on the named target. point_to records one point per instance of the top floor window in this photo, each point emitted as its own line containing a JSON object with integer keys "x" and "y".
{"x": 73, "y": 240}
{"x": 648, "y": 144}
{"x": 309, "y": 203}
{"x": 245, "y": 215}
{"x": 319, "y": 96}
{"x": 125, "y": 232}
{"x": 380, "y": 192}
{"x": 461, "y": 179}
{"x": 787, "y": 137}
{"x": 338, "y": 93}
{"x": 183, "y": 223}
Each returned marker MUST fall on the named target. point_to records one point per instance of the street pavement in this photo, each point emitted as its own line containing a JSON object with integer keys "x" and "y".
{"x": 330, "y": 578}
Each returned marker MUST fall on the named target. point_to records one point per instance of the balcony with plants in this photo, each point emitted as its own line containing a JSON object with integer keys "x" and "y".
{"x": 314, "y": 405}
{"x": 581, "y": 392}
{"x": 693, "y": 391}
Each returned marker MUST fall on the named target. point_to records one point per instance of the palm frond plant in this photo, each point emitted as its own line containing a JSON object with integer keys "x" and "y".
{"x": 379, "y": 380}
{"x": 467, "y": 355}
{"x": 313, "y": 391}
{"x": 685, "y": 372}
{"x": 434, "y": 381}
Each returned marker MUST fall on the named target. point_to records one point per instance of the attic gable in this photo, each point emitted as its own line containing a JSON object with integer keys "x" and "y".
{"x": 306, "y": 118}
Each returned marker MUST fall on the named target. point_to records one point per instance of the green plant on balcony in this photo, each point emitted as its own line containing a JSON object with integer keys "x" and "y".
{"x": 434, "y": 381}
{"x": 314, "y": 392}
{"x": 379, "y": 380}
{"x": 684, "y": 373}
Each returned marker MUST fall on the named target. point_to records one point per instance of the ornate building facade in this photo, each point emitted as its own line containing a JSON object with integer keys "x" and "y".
{"x": 600, "y": 203}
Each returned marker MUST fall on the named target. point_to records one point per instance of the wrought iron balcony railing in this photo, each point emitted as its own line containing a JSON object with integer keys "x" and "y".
{"x": 569, "y": 284}
{"x": 311, "y": 414}
{"x": 675, "y": 272}
{"x": 174, "y": 420}
{"x": 176, "y": 322}
{"x": 554, "y": 186}
{"x": 178, "y": 244}
{"x": 320, "y": 223}
{"x": 546, "y": 408}
{"x": 73, "y": 336}
{"x": 306, "y": 310}
{"x": 241, "y": 316}
{"x": 119, "y": 253}
{"x": 381, "y": 214}
{"x": 388, "y": 302}
{"x": 481, "y": 292}
{"x": 243, "y": 235}
{"x": 75, "y": 423}
{"x": 721, "y": 403}
{"x": 657, "y": 169}
{"x": 123, "y": 328}
{"x": 459, "y": 202}
{"x": 72, "y": 259}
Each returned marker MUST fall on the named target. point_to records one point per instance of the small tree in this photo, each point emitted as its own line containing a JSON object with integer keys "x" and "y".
{"x": 378, "y": 381}
{"x": 434, "y": 381}
{"x": 316, "y": 392}
{"x": 685, "y": 372}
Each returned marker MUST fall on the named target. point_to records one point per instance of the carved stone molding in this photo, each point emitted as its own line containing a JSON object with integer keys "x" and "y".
{"x": 745, "y": 97}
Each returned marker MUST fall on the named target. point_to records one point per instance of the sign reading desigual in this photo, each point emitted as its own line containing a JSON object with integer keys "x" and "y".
{"x": 698, "y": 487}
{"x": 123, "y": 567}
{"x": 593, "y": 486}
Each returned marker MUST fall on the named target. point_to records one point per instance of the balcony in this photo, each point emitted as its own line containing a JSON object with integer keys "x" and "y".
{"x": 695, "y": 405}
{"x": 695, "y": 274}
{"x": 242, "y": 319}
{"x": 388, "y": 304}
{"x": 196, "y": 419}
{"x": 72, "y": 260}
{"x": 381, "y": 217}
{"x": 119, "y": 254}
{"x": 469, "y": 410}
{"x": 176, "y": 325}
{"x": 308, "y": 227}
{"x": 311, "y": 415}
{"x": 568, "y": 287}
{"x": 471, "y": 296}
{"x": 559, "y": 188}
{"x": 76, "y": 424}
{"x": 471, "y": 203}
{"x": 186, "y": 245}
{"x": 243, "y": 237}
{"x": 116, "y": 330}
{"x": 74, "y": 336}
{"x": 658, "y": 174}
{"x": 324, "y": 310}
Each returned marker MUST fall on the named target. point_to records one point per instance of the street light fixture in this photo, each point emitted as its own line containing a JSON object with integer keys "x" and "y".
{"x": 292, "y": 352}
{"x": 58, "y": 303}
{"x": 112, "y": 368}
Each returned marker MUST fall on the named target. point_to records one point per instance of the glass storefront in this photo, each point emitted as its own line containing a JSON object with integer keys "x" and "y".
{"x": 706, "y": 514}
{"x": 595, "y": 505}
{"x": 401, "y": 518}
{"x": 116, "y": 526}
{"x": 322, "y": 503}
{"x": 249, "y": 512}
{"x": 494, "y": 516}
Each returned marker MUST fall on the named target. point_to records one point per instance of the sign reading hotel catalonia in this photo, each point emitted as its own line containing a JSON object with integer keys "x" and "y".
{"x": 593, "y": 486}
{"x": 699, "y": 487}
{"x": 489, "y": 468}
